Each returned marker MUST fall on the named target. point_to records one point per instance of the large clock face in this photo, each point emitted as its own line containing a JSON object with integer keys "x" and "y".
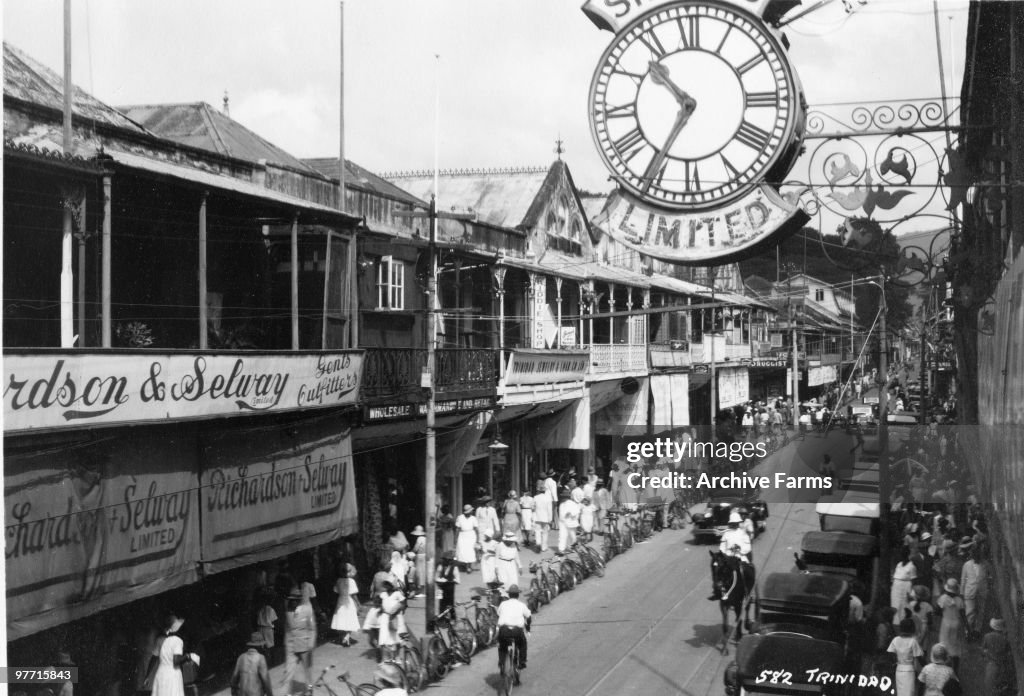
{"x": 693, "y": 104}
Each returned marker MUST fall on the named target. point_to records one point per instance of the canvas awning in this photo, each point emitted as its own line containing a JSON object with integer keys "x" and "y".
{"x": 454, "y": 449}
{"x": 671, "y": 396}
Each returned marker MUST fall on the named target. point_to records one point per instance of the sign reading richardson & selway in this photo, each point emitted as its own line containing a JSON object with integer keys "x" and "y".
{"x": 263, "y": 491}
{"x": 46, "y": 390}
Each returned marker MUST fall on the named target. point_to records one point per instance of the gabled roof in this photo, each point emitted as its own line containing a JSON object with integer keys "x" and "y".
{"x": 499, "y": 197}
{"x": 201, "y": 126}
{"x": 27, "y": 79}
{"x": 364, "y": 179}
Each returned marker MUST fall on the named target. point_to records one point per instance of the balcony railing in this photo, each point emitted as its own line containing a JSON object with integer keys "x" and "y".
{"x": 607, "y": 359}
{"x": 396, "y": 371}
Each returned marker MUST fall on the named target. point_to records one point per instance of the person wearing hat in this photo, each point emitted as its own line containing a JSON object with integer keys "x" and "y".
{"x": 251, "y": 676}
{"x": 937, "y": 673}
{"x": 447, "y": 577}
{"x": 995, "y": 648}
{"x": 903, "y": 577}
{"x": 299, "y": 641}
{"x": 969, "y": 582}
{"x": 511, "y": 512}
{"x": 266, "y": 617}
{"x": 168, "y": 680}
{"x": 951, "y": 628}
{"x": 508, "y": 565}
{"x": 514, "y": 619}
{"x": 569, "y": 520}
{"x": 487, "y": 519}
{"x": 346, "y": 614}
{"x": 544, "y": 506}
{"x": 921, "y": 612}
{"x": 488, "y": 551}
{"x": 419, "y": 551}
{"x": 949, "y": 565}
{"x": 908, "y": 654}
{"x": 526, "y": 507}
{"x": 67, "y": 687}
{"x": 465, "y": 543}
{"x": 446, "y": 530}
{"x": 551, "y": 486}
{"x": 603, "y": 502}
{"x": 389, "y": 677}
{"x": 735, "y": 542}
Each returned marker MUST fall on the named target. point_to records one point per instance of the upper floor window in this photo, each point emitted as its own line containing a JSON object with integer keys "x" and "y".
{"x": 390, "y": 284}
{"x": 819, "y": 295}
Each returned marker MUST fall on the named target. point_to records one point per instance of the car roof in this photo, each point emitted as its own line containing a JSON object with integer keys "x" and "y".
{"x": 849, "y": 509}
{"x": 795, "y": 654}
{"x": 802, "y": 592}
{"x": 839, "y": 543}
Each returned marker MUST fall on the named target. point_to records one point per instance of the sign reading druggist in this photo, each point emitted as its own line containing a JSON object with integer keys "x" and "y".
{"x": 48, "y": 390}
{"x": 696, "y": 112}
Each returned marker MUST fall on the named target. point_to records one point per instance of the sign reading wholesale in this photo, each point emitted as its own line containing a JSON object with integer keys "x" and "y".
{"x": 50, "y": 390}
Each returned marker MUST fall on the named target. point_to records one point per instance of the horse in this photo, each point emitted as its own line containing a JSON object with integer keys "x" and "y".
{"x": 735, "y": 582}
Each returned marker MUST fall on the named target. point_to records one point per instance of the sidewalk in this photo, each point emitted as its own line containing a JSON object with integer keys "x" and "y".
{"x": 360, "y": 660}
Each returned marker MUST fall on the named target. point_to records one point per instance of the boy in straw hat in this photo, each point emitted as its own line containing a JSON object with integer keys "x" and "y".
{"x": 251, "y": 676}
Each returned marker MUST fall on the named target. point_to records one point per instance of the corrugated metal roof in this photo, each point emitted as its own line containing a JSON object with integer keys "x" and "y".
{"x": 499, "y": 197}
{"x": 360, "y": 177}
{"x": 201, "y": 126}
{"x": 29, "y": 80}
{"x": 592, "y": 205}
{"x": 226, "y": 183}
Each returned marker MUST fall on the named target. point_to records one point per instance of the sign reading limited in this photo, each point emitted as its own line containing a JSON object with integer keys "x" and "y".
{"x": 694, "y": 107}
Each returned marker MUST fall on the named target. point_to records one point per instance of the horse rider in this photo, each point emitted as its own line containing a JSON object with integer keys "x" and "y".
{"x": 735, "y": 542}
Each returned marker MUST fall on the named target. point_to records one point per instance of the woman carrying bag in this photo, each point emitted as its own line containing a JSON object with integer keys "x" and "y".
{"x": 174, "y": 664}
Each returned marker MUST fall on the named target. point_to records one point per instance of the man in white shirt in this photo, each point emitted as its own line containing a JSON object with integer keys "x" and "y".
{"x": 542, "y": 514}
{"x": 513, "y": 623}
{"x": 735, "y": 542}
{"x": 552, "y": 490}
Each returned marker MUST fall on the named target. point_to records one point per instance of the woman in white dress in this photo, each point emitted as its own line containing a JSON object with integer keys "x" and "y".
{"x": 419, "y": 551}
{"x": 508, "y": 564}
{"x": 399, "y": 569}
{"x": 346, "y": 612}
{"x": 465, "y": 546}
{"x": 902, "y": 581}
{"x": 168, "y": 680}
{"x": 488, "y": 560}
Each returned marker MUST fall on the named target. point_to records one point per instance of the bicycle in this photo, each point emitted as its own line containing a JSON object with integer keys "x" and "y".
{"x": 509, "y": 669}
{"x": 548, "y": 584}
{"x": 589, "y": 559}
{"x": 484, "y": 621}
{"x": 612, "y": 536}
{"x": 409, "y": 657}
{"x": 445, "y": 646}
{"x": 355, "y": 689}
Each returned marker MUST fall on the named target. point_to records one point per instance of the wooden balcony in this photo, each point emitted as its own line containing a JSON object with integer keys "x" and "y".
{"x": 395, "y": 372}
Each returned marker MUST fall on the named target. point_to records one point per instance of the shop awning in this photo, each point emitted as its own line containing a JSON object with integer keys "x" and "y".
{"x": 455, "y": 448}
{"x": 568, "y": 428}
{"x": 626, "y": 416}
{"x": 671, "y": 396}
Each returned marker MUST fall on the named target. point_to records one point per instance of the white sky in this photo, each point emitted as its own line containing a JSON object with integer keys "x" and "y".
{"x": 513, "y": 75}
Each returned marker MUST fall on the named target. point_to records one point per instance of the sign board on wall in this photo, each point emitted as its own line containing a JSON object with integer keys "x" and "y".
{"x": 270, "y": 492}
{"x": 95, "y": 526}
{"x": 540, "y": 310}
{"x": 825, "y": 374}
{"x": 48, "y": 390}
{"x": 733, "y": 386}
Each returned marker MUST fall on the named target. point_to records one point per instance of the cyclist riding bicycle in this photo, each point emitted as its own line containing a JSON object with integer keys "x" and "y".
{"x": 513, "y": 623}
{"x": 389, "y": 678}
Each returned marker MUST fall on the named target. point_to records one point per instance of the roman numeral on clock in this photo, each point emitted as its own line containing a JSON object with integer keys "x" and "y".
{"x": 624, "y": 111}
{"x": 752, "y": 136}
{"x": 759, "y": 99}
{"x": 630, "y": 144}
{"x": 691, "y": 177}
{"x": 751, "y": 64}
{"x": 689, "y": 32}
{"x": 651, "y": 41}
{"x": 733, "y": 171}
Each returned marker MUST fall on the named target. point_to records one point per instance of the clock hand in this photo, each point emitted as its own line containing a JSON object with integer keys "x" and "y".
{"x": 660, "y": 76}
{"x": 681, "y": 120}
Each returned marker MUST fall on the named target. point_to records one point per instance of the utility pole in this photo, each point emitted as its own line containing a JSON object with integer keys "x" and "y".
{"x": 67, "y": 277}
{"x": 430, "y": 382}
{"x": 714, "y": 381}
{"x": 884, "y": 483}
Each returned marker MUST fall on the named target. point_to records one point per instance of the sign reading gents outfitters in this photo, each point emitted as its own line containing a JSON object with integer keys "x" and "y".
{"x": 698, "y": 114}
{"x": 74, "y": 390}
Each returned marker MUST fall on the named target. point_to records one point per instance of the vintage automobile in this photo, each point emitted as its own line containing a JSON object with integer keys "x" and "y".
{"x": 800, "y": 627}
{"x": 847, "y": 555}
{"x": 712, "y": 523}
